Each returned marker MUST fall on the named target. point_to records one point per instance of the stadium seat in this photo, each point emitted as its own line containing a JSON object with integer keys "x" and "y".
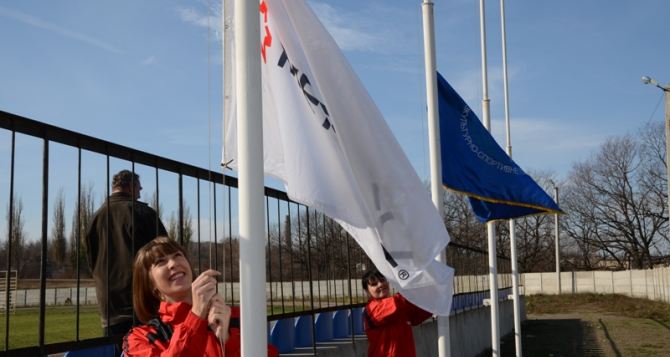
{"x": 324, "y": 326}
{"x": 341, "y": 324}
{"x": 282, "y": 335}
{"x": 100, "y": 351}
{"x": 303, "y": 331}
{"x": 358, "y": 321}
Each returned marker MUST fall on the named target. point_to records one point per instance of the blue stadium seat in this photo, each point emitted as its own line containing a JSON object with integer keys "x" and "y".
{"x": 341, "y": 324}
{"x": 282, "y": 335}
{"x": 100, "y": 351}
{"x": 303, "y": 331}
{"x": 358, "y": 321}
{"x": 324, "y": 326}
{"x": 457, "y": 303}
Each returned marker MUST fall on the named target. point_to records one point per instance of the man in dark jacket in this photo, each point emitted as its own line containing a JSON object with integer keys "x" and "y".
{"x": 120, "y": 227}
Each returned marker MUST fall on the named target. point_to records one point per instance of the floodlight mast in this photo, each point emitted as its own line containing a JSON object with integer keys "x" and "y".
{"x": 666, "y": 89}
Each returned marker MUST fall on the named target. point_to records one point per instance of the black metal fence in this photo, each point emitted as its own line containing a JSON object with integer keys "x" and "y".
{"x": 312, "y": 263}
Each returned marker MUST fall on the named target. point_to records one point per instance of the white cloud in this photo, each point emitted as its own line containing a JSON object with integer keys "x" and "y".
{"x": 149, "y": 61}
{"x": 538, "y": 132}
{"x": 353, "y": 31}
{"x": 39, "y": 23}
{"x": 468, "y": 84}
{"x": 345, "y": 31}
{"x": 548, "y": 143}
{"x": 210, "y": 20}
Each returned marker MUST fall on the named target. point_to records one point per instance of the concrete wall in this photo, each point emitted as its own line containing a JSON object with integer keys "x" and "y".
{"x": 652, "y": 284}
{"x": 470, "y": 330}
{"x": 470, "y": 335}
{"x": 59, "y": 296}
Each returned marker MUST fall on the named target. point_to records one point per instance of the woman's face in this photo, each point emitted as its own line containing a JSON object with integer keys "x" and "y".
{"x": 172, "y": 276}
{"x": 378, "y": 289}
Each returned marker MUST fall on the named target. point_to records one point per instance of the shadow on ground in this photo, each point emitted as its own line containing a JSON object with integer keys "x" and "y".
{"x": 554, "y": 337}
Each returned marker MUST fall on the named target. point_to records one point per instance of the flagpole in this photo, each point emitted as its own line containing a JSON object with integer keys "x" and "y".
{"x": 250, "y": 165}
{"x": 443, "y": 343}
{"x": 493, "y": 270}
{"x": 512, "y": 234}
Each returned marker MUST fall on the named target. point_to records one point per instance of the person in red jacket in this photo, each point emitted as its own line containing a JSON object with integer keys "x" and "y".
{"x": 182, "y": 316}
{"x": 388, "y": 320}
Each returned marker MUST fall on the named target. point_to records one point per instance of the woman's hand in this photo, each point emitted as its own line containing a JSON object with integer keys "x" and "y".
{"x": 203, "y": 289}
{"x": 219, "y": 318}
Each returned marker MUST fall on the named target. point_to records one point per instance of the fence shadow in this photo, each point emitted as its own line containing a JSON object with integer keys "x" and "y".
{"x": 554, "y": 337}
{"x": 609, "y": 338}
{"x": 662, "y": 323}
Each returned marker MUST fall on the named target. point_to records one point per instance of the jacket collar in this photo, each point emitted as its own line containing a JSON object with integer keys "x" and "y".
{"x": 173, "y": 312}
{"x": 120, "y": 196}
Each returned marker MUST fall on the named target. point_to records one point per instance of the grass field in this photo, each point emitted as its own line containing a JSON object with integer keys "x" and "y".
{"x": 60, "y": 325}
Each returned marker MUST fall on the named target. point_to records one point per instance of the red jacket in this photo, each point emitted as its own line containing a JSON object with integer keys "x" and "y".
{"x": 388, "y": 325}
{"x": 191, "y": 336}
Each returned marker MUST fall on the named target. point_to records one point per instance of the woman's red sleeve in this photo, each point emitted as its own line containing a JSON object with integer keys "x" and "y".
{"x": 415, "y": 314}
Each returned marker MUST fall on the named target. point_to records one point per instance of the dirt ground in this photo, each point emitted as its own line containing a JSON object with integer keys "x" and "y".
{"x": 590, "y": 334}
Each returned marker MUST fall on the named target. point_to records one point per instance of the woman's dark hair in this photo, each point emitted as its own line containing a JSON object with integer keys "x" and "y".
{"x": 146, "y": 299}
{"x": 371, "y": 276}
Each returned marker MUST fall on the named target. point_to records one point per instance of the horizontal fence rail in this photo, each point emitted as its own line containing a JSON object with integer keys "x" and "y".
{"x": 313, "y": 265}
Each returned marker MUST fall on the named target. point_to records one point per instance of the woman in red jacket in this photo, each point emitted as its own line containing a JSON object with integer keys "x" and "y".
{"x": 182, "y": 316}
{"x": 388, "y": 320}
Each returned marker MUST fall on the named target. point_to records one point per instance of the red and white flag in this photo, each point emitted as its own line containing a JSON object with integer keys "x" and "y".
{"x": 326, "y": 140}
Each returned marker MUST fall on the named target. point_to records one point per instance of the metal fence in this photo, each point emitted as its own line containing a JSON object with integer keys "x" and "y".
{"x": 313, "y": 265}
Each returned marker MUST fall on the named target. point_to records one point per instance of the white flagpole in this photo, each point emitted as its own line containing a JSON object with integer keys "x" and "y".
{"x": 250, "y": 166}
{"x": 512, "y": 235}
{"x": 493, "y": 270}
{"x": 443, "y": 343}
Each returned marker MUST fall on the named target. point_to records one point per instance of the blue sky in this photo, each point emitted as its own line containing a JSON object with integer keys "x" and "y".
{"x": 146, "y": 74}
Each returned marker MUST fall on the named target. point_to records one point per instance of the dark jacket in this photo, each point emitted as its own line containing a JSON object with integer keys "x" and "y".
{"x": 126, "y": 236}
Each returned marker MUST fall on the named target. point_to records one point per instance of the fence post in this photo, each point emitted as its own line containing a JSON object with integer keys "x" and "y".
{"x": 541, "y": 287}
{"x": 646, "y": 286}
{"x": 656, "y": 285}
{"x": 593, "y": 274}
{"x": 612, "y": 280}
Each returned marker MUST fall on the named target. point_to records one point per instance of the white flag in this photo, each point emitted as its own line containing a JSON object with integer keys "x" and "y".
{"x": 325, "y": 139}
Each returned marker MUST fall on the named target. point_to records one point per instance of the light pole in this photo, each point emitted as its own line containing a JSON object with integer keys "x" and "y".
{"x": 556, "y": 242}
{"x": 666, "y": 89}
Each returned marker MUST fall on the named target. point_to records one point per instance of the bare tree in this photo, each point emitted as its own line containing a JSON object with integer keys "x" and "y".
{"x": 616, "y": 201}
{"x": 462, "y": 224}
{"x": 80, "y": 225}
{"x": 17, "y": 236}
{"x": 173, "y": 227}
{"x": 58, "y": 249}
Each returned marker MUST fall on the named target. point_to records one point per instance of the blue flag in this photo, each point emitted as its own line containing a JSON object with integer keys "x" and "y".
{"x": 475, "y": 165}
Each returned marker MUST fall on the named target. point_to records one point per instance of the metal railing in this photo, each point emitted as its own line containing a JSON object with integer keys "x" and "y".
{"x": 313, "y": 265}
